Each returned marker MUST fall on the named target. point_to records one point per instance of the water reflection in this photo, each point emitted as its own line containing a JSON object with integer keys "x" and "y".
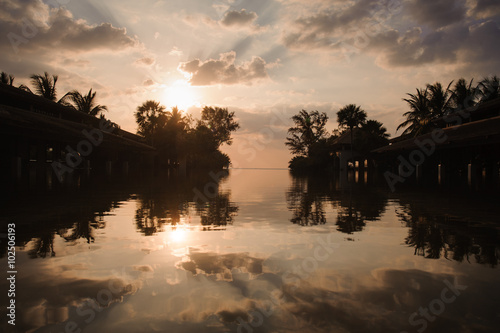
{"x": 176, "y": 201}
{"x": 442, "y": 235}
{"x": 135, "y": 258}
{"x": 218, "y": 211}
{"x": 308, "y": 198}
{"x": 75, "y": 216}
{"x": 433, "y": 231}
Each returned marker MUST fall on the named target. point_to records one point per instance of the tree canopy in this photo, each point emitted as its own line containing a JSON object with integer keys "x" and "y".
{"x": 172, "y": 134}
{"x": 84, "y": 103}
{"x": 351, "y": 116}
{"x": 433, "y": 102}
{"x": 309, "y": 129}
{"x": 221, "y": 122}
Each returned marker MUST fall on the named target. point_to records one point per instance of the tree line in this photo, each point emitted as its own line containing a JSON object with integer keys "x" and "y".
{"x": 434, "y": 102}
{"x": 45, "y": 86}
{"x": 177, "y": 137}
{"x": 312, "y": 146}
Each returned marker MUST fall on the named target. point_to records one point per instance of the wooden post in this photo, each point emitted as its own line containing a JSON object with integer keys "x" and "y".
{"x": 440, "y": 174}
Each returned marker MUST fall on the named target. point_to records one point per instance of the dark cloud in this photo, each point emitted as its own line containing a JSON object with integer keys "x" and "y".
{"x": 224, "y": 70}
{"x": 238, "y": 18}
{"x": 44, "y": 294}
{"x": 31, "y": 27}
{"x": 148, "y": 82}
{"x": 486, "y": 8}
{"x": 443, "y": 33}
{"x": 474, "y": 46}
{"x": 323, "y": 30}
{"x": 437, "y": 13}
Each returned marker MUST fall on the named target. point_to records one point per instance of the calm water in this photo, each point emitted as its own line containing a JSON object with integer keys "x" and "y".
{"x": 255, "y": 251}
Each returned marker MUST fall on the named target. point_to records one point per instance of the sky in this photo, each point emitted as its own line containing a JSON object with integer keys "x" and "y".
{"x": 263, "y": 59}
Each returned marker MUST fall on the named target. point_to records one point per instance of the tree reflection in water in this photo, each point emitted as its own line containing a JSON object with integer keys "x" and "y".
{"x": 218, "y": 211}
{"x": 308, "y": 196}
{"x": 432, "y": 231}
{"x": 305, "y": 199}
{"x": 171, "y": 205}
{"x": 440, "y": 235}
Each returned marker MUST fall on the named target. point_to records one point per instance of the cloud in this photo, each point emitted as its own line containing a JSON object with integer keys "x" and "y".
{"x": 325, "y": 29}
{"x": 148, "y": 83}
{"x": 175, "y": 52}
{"x": 462, "y": 45}
{"x": 31, "y": 26}
{"x": 221, "y": 265}
{"x": 437, "y": 32}
{"x": 486, "y": 8}
{"x": 437, "y": 13}
{"x": 75, "y": 62}
{"x": 236, "y": 18}
{"x": 224, "y": 70}
{"x": 145, "y": 61}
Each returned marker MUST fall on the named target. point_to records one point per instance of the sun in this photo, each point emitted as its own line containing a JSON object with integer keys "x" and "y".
{"x": 180, "y": 94}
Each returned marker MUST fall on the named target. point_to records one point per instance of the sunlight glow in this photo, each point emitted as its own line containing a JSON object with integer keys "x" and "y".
{"x": 179, "y": 234}
{"x": 180, "y": 94}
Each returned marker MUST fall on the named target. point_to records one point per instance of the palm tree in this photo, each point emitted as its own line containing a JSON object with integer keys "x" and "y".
{"x": 84, "y": 103}
{"x": 463, "y": 95}
{"x": 6, "y": 79}
{"x": 439, "y": 99}
{"x": 376, "y": 128}
{"x": 173, "y": 134}
{"x": 351, "y": 116}
{"x": 45, "y": 86}
{"x": 489, "y": 89}
{"x": 419, "y": 117}
{"x": 309, "y": 128}
{"x": 149, "y": 117}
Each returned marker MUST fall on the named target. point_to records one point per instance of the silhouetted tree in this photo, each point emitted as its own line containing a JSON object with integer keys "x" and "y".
{"x": 172, "y": 134}
{"x": 489, "y": 89}
{"x": 418, "y": 118}
{"x": 463, "y": 95}
{"x": 149, "y": 117}
{"x": 45, "y": 86}
{"x": 309, "y": 129}
{"x": 372, "y": 135}
{"x": 7, "y": 79}
{"x": 221, "y": 122}
{"x": 351, "y": 116}
{"x": 84, "y": 103}
{"x": 440, "y": 100}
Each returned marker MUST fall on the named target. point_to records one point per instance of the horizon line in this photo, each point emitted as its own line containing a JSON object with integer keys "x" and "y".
{"x": 259, "y": 168}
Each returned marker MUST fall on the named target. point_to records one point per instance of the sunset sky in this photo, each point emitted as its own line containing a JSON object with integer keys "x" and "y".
{"x": 264, "y": 59}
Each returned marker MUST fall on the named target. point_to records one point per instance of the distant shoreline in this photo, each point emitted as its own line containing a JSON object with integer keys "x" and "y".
{"x": 258, "y": 169}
